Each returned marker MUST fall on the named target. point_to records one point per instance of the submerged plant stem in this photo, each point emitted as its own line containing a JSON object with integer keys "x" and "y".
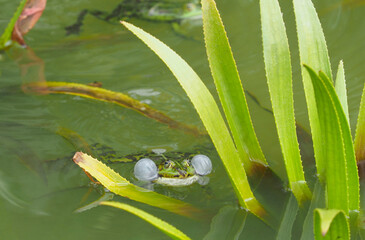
{"x": 105, "y": 95}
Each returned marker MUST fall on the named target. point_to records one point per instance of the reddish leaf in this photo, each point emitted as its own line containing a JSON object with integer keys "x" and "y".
{"x": 28, "y": 18}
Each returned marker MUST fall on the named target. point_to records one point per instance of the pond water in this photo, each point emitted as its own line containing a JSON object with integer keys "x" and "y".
{"x": 40, "y": 186}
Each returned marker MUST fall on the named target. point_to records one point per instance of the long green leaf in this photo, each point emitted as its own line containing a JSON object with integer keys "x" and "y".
{"x": 351, "y": 167}
{"x": 210, "y": 115}
{"x": 333, "y": 157}
{"x": 6, "y": 36}
{"x": 279, "y": 79}
{"x": 330, "y": 224}
{"x": 312, "y": 43}
{"x": 165, "y": 227}
{"x": 360, "y": 130}
{"x": 313, "y": 52}
{"x": 121, "y": 186}
{"x": 229, "y": 87}
{"x": 340, "y": 86}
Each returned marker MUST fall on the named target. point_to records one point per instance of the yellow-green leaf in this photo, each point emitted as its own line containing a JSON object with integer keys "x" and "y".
{"x": 279, "y": 78}
{"x": 342, "y": 183}
{"x": 165, "y": 227}
{"x": 229, "y": 87}
{"x": 313, "y": 52}
{"x": 121, "y": 186}
{"x": 6, "y": 36}
{"x": 351, "y": 167}
{"x": 210, "y": 115}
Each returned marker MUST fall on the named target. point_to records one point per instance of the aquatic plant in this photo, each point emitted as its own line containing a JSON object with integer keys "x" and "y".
{"x": 236, "y": 142}
{"x": 101, "y": 94}
{"x": 165, "y": 227}
{"x": 327, "y": 105}
{"x": 121, "y": 186}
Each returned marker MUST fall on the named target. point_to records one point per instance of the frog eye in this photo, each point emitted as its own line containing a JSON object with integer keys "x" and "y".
{"x": 145, "y": 170}
{"x": 169, "y": 164}
{"x": 201, "y": 164}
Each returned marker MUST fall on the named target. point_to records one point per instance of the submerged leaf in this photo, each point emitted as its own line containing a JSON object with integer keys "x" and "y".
{"x": 279, "y": 78}
{"x": 31, "y": 13}
{"x": 360, "y": 131}
{"x": 288, "y": 219}
{"x": 121, "y": 186}
{"x": 101, "y": 94}
{"x": 318, "y": 200}
{"x": 210, "y": 115}
{"x": 26, "y": 155}
{"x": 229, "y": 87}
{"x": 75, "y": 139}
{"x": 105, "y": 197}
{"x": 31, "y": 66}
{"x": 158, "y": 223}
{"x": 330, "y": 224}
{"x": 227, "y": 224}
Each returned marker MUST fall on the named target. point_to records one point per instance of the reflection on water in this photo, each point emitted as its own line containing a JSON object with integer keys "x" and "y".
{"x": 7, "y": 195}
{"x": 38, "y": 194}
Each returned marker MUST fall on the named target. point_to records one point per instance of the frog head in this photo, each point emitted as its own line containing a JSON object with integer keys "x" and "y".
{"x": 175, "y": 169}
{"x": 146, "y": 169}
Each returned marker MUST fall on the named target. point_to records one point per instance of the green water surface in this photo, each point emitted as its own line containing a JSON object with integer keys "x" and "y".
{"x": 40, "y": 186}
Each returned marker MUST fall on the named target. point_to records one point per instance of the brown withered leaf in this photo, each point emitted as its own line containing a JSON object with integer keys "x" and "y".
{"x": 28, "y": 18}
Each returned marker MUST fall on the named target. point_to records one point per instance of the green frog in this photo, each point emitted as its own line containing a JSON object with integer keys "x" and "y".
{"x": 176, "y": 12}
{"x": 176, "y": 169}
{"x": 169, "y": 168}
{"x": 174, "y": 172}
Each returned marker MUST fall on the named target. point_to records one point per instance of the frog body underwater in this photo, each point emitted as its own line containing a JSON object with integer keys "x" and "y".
{"x": 174, "y": 12}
